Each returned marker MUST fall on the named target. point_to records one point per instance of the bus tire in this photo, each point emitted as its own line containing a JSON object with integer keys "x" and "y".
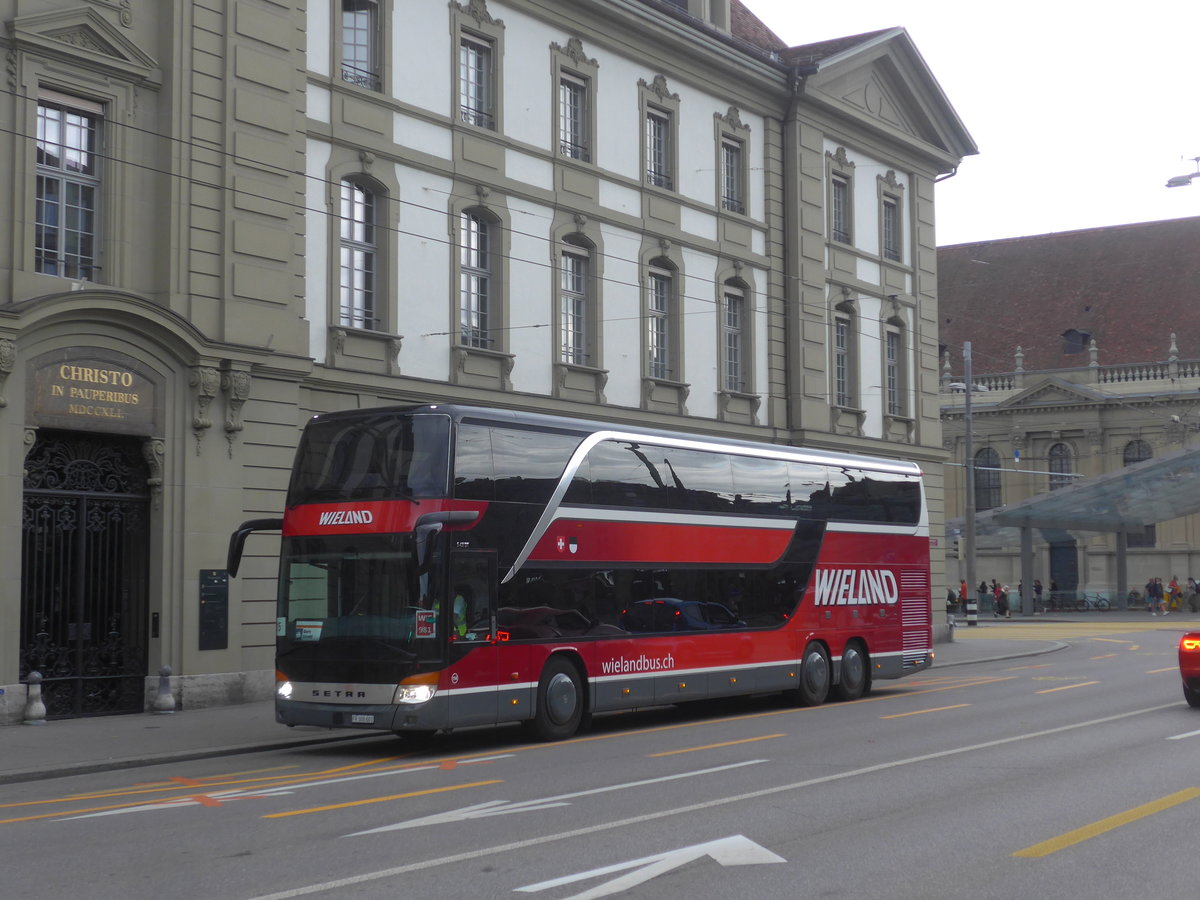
{"x": 560, "y": 701}
{"x": 855, "y": 673}
{"x": 815, "y": 675}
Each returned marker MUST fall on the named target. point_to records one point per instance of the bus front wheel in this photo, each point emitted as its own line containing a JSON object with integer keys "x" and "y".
{"x": 559, "y": 701}
{"x": 814, "y": 675}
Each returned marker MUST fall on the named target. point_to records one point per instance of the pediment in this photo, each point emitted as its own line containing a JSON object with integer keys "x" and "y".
{"x": 84, "y": 37}
{"x": 1052, "y": 392}
{"x": 884, "y": 82}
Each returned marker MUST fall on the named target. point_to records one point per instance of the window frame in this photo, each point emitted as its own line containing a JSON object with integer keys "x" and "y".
{"x": 370, "y": 78}
{"x": 840, "y": 197}
{"x": 476, "y": 322}
{"x": 363, "y": 315}
{"x": 988, "y": 493}
{"x": 473, "y": 24}
{"x": 844, "y": 367}
{"x": 659, "y": 310}
{"x": 734, "y": 338}
{"x": 575, "y": 328}
{"x": 1060, "y": 464}
{"x": 659, "y": 109}
{"x": 570, "y": 65}
{"x": 891, "y": 230}
{"x": 895, "y": 370}
{"x": 93, "y": 119}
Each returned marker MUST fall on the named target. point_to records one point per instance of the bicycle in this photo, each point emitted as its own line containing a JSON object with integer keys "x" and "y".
{"x": 1093, "y": 602}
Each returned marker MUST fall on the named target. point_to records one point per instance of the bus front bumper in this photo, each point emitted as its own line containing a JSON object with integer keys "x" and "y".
{"x": 428, "y": 716}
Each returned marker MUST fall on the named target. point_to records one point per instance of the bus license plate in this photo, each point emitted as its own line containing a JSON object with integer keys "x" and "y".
{"x": 361, "y": 719}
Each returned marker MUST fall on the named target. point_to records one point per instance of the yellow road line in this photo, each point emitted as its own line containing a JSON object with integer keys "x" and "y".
{"x": 316, "y": 809}
{"x": 921, "y": 712}
{"x": 1066, "y": 687}
{"x": 765, "y": 737}
{"x": 1087, "y": 832}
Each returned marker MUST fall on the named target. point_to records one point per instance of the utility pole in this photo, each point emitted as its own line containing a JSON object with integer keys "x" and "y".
{"x": 969, "y": 502}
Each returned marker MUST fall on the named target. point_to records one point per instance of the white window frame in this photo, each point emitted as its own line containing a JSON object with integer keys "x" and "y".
{"x": 733, "y": 339}
{"x": 660, "y": 323}
{"x": 477, "y": 81}
{"x": 476, "y": 277}
{"x": 359, "y": 256}
{"x": 360, "y": 48}
{"x": 575, "y": 305}
{"x": 70, "y": 182}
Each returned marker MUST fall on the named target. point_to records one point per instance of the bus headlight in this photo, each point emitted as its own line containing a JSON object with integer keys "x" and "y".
{"x": 283, "y": 690}
{"x": 414, "y": 693}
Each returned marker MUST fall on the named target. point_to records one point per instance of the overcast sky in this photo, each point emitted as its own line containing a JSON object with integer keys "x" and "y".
{"x": 1081, "y": 111}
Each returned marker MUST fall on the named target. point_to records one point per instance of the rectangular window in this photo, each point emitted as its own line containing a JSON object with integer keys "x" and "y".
{"x": 67, "y": 187}
{"x": 475, "y": 280}
{"x": 360, "y": 43}
{"x": 891, "y": 228}
{"x": 475, "y": 83}
{"x": 658, "y": 149}
{"x": 841, "y": 362}
{"x": 658, "y": 340}
{"x": 840, "y": 198}
{"x": 358, "y": 252}
{"x": 892, "y": 374}
{"x": 732, "y": 331}
{"x": 733, "y": 195}
{"x": 573, "y": 297}
{"x": 573, "y": 118}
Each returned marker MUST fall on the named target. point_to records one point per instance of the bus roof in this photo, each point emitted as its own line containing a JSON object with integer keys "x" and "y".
{"x": 461, "y": 412}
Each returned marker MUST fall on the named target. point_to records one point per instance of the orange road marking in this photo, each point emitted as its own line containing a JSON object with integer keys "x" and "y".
{"x": 921, "y": 712}
{"x": 315, "y": 809}
{"x": 1105, "y": 656}
{"x": 1087, "y": 832}
{"x": 1167, "y": 669}
{"x": 1066, "y": 687}
{"x": 765, "y": 737}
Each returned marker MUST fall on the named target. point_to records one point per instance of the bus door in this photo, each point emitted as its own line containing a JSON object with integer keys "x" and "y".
{"x": 472, "y": 589}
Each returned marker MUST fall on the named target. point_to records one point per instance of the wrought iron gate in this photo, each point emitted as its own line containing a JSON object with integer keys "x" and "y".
{"x": 84, "y": 573}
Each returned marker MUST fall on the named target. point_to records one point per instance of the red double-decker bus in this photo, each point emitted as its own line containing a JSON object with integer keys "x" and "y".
{"x": 447, "y": 566}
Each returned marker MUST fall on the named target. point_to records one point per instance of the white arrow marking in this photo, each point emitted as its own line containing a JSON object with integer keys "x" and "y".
{"x": 737, "y": 850}
{"x": 503, "y": 807}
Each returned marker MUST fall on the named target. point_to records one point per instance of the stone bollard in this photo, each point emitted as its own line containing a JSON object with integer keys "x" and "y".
{"x": 35, "y": 709}
{"x": 164, "y": 703}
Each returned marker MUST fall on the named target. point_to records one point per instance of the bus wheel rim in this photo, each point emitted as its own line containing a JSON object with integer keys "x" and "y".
{"x": 561, "y": 698}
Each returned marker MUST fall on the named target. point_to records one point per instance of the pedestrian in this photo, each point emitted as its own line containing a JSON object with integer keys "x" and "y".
{"x": 1151, "y": 603}
{"x": 1160, "y": 593}
{"x": 1053, "y": 594}
{"x": 1037, "y": 594}
{"x": 1191, "y": 596}
{"x": 1174, "y": 600}
{"x": 984, "y": 592}
{"x": 1002, "y": 601}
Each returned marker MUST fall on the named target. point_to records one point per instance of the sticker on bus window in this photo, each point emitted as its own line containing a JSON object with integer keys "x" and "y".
{"x": 309, "y": 629}
{"x": 426, "y": 623}
{"x": 280, "y": 626}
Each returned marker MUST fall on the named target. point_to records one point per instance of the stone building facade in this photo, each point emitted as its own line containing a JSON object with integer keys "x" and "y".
{"x": 1086, "y": 359}
{"x": 228, "y": 216}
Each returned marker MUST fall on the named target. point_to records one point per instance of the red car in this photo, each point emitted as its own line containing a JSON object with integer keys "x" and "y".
{"x": 1189, "y": 666}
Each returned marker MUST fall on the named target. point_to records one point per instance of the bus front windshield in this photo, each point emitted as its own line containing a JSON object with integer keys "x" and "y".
{"x": 353, "y": 608}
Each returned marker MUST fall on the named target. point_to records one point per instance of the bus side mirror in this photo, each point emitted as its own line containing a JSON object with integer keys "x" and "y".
{"x": 431, "y": 523}
{"x": 423, "y": 534}
{"x": 237, "y": 540}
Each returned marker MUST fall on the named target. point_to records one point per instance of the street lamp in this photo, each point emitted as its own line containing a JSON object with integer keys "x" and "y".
{"x": 1184, "y": 180}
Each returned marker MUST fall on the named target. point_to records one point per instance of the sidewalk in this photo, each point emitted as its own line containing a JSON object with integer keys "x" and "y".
{"x": 79, "y": 746}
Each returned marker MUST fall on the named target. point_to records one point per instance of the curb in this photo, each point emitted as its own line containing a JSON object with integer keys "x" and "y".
{"x": 18, "y": 776}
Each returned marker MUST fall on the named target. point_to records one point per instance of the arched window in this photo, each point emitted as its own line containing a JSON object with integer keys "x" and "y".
{"x": 733, "y": 338}
{"x": 575, "y": 330}
{"x": 475, "y": 279}
{"x": 1062, "y": 464}
{"x": 661, "y": 324}
{"x": 987, "y": 479}
{"x": 1136, "y": 452}
{"x": 359, "y": 210}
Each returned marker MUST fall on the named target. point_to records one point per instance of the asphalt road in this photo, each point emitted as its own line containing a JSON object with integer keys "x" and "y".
{"x": 1066, "y": 775}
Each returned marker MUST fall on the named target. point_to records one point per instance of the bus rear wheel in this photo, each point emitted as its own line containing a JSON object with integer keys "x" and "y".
{"x": 855, "y": 673}
{"x": 559, "y": 701}
{"x": 814, "y": 675}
